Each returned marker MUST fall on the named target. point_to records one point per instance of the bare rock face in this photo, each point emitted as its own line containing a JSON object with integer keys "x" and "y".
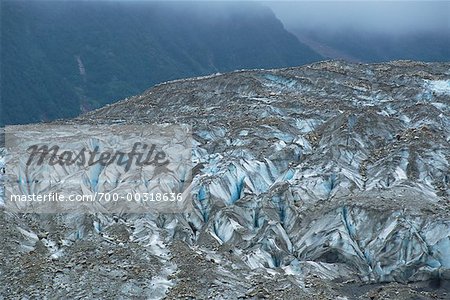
{"x": 329, "y": 180}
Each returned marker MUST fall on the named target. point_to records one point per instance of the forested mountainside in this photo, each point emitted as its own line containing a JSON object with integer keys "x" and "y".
{"x": 63, "y": 58}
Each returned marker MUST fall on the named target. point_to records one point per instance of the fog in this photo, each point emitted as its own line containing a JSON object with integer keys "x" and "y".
{"x": 378, "y": 16}
{"x": 381, "y": 16}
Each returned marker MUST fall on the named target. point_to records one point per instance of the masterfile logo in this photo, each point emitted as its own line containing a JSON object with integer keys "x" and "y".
{"x": 53, "y": 156}
{"x": 84, "y": 168}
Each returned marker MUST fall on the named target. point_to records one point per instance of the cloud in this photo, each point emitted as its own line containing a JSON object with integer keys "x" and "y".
{"x": 381, "y": 16}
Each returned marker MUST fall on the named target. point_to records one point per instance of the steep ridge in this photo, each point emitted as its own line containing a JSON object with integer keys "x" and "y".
{"x": 308, "y": 182}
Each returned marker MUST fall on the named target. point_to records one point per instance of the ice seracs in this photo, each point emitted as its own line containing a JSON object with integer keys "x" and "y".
{"x": 332, "y": 172}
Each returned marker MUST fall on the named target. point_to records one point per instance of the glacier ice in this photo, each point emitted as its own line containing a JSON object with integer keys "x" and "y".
{"x": 333, "y": 171}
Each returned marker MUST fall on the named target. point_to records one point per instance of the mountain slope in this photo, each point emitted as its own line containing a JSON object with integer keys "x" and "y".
{"x": 63, "y": 58}
{"x": 361, "y": 46}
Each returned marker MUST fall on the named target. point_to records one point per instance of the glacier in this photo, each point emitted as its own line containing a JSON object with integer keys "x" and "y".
{"x": 327, "y": 180}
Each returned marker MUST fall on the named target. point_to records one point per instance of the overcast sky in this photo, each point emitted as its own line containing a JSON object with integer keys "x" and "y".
{"x": 399, "y": 16}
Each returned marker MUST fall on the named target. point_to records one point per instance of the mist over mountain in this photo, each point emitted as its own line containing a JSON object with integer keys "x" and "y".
{"x": 367, "y": 31}
{"x": 353, "y": 45}
{"x": 63, "y": 58}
